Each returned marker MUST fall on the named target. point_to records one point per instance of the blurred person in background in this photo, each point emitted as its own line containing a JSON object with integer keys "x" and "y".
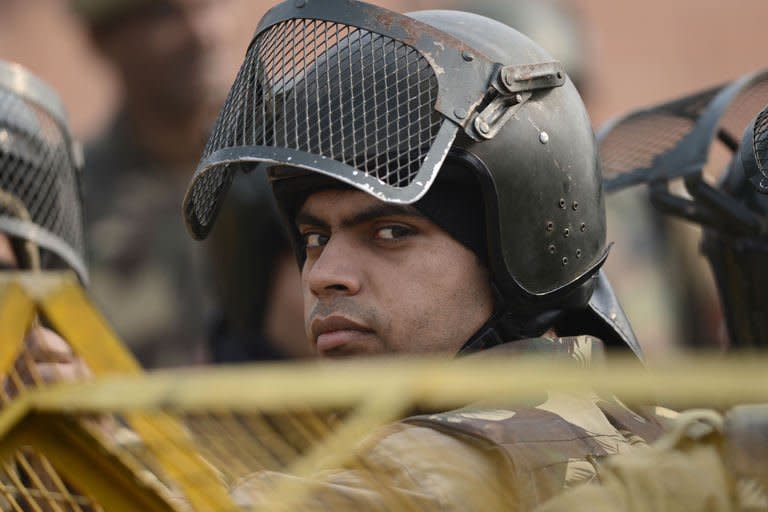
{"x": 175, "y": 60}
{"x": 260, "y": 308}
{"x": 41, "y": 223}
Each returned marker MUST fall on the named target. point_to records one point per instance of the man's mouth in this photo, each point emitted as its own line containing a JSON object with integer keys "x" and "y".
{"x": 334, "y": 332}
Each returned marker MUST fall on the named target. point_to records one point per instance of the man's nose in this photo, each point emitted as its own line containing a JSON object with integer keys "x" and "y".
{"x": 336, "y": 271}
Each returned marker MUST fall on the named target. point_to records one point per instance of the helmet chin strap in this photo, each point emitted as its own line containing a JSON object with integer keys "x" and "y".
{"x": 593, "y": 309}
{"x": 504, "y": 326}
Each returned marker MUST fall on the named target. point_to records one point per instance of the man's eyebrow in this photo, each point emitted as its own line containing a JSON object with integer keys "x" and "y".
{"x": 309, "y": 220}
{"x": 373, "y": 212}
{"x": 377, "y": 211}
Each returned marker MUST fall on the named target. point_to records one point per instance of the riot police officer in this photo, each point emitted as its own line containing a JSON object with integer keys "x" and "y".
{"x": 440, "y": 179}
{"x": 41, "y": 219}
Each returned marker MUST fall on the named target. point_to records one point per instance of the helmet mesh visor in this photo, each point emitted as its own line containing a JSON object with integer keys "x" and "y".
{"x": 39, "y": 183}
{"x": 632, "y": 148}
{"x": 636, "y": 142}
{"x": 332, "y": 90}
{"x": 761, "y": 141}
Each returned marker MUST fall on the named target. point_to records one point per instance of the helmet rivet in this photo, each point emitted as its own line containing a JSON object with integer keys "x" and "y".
{"x": 566, "y": 232}
{"x": 583, "y": 227}
{"x": 483, "y": 127}
{"x": 552, "y": 249}
{"x": 550, "y": 226}
{"x": 300, "y": 3}
{"x": 763, "y": 184}
{"x": 543, "y": 137}
{"x": 575, "y": 205}
{"x": 565, "y": 261}
{"x": 562, "y": 203}
{"x": 518, "y": 98}
{"x": 578, "y": 253}
{"x": 460, "y": 113}
{"x": 467, "y": 56}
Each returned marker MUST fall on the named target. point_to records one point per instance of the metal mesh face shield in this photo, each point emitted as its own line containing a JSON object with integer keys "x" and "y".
{"x": 348, "y": 90}
{"x": 754, "y": 149}
{"x": 40, "y": 199}
{"x": 761, "y": 141}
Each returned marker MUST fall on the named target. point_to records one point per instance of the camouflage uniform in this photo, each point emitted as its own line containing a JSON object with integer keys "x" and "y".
{"x": 705, "y": 462}
{"x": 146, "y": 273}
{"x": 481, "y": 457}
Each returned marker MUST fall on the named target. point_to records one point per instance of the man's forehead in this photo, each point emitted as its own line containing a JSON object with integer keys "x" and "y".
{"x": 338, "y": 206}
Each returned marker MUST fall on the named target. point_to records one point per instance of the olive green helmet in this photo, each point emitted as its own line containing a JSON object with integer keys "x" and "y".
{"x": 383, "y": 102}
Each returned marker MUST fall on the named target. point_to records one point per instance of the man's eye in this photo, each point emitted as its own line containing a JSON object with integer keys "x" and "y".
{"x": 393, "y": 232}
{"x": 314, "y": 240}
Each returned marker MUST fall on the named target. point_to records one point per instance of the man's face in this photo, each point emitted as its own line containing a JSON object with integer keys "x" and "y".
{"x": 181, "y": 55}
{"x": 381, "y": 278}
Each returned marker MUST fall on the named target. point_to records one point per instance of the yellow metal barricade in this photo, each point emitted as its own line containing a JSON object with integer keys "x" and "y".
{"x": 35, "y": 480}
{"x": 184, "y": 439}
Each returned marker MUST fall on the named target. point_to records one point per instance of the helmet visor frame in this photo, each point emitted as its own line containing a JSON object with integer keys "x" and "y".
{"x": 298, "y": 105}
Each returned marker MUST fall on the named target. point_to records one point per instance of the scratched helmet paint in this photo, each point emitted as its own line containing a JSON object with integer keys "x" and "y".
{"x": 383, "y": 102}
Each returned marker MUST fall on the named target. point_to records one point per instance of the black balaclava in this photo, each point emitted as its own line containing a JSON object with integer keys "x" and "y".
{"x": 453, "y": 202}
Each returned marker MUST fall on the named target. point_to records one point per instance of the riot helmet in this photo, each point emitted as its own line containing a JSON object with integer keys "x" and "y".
{"x": 738, "y": 255}
{"x": 389, "y": 103}
{"x": 677, "y": 140}
{"x": 40, "y": 194}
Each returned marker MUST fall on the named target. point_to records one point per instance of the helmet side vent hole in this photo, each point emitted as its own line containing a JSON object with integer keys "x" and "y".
{"x": 583, "y": 227}
{"x": 552, "y": 249}
{"x": 578, "y": 253}
{"x": 566, "y": 232}
{"x": 550, "y": 226}
{"x": 565, "y": 261}
{"x": 561, "y": 203}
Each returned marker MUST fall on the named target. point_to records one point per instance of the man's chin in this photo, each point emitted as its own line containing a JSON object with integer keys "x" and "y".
{"x": 352, "y": 349}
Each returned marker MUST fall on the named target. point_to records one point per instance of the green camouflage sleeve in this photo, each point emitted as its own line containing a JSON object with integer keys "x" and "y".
{"x": 706, "y": 462}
